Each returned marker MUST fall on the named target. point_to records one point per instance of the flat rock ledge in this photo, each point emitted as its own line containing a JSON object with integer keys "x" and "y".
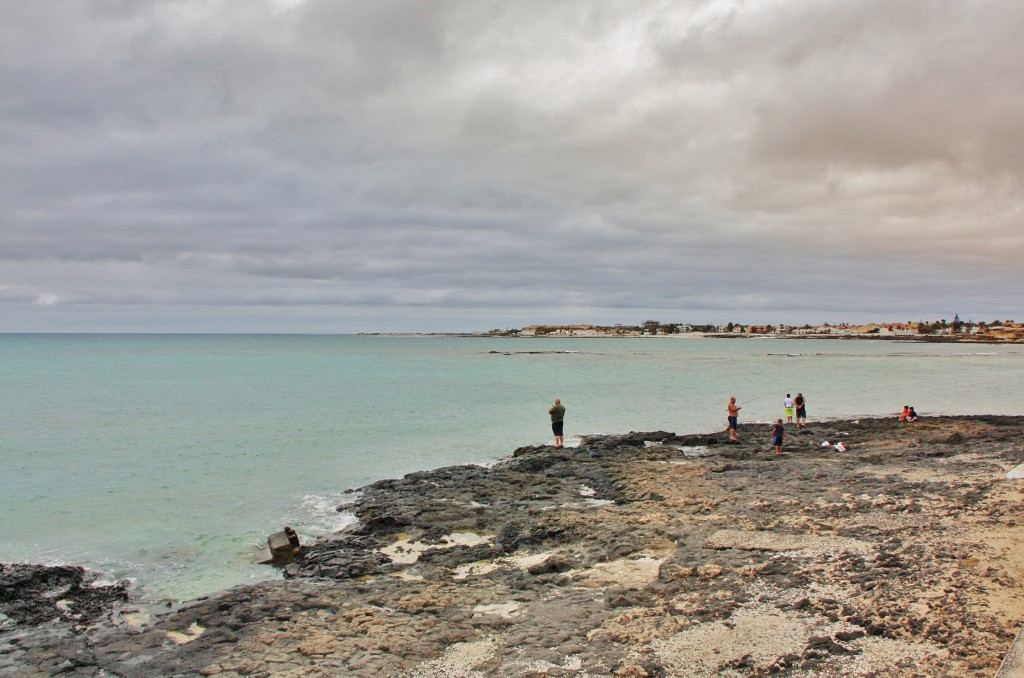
{"x": 646, "y": 554}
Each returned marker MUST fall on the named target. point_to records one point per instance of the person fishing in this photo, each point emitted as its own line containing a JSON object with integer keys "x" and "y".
{"x": 557, "y": 413}
{"x": 734, "y": 418}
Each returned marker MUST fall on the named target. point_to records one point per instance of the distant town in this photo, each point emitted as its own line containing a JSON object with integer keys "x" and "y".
{"x": 996, "y": 331}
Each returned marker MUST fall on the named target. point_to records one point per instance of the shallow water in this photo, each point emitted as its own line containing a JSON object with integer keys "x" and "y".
{"x": 166, "y": 457}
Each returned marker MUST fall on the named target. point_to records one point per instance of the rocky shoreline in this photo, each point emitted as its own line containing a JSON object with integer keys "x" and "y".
{"x": 646, "y": 554}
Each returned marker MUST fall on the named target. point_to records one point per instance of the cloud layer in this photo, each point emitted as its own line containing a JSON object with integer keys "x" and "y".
{"x": 321, "y": 165}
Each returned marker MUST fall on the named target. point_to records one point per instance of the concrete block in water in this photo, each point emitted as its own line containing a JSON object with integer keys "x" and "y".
{"x": 282, "y": 547}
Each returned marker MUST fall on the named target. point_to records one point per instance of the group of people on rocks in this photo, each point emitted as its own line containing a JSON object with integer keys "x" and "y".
{"x": 796, "y": 408}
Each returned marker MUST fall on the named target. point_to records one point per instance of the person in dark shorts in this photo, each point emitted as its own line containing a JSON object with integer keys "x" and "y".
{"x": 734, "y": 418}
{"x": 801, "y": 410}
{"x": 778, "y": 433}
{"x": 557, "y": 413}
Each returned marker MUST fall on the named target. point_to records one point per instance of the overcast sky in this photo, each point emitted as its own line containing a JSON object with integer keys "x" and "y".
{"x": 335, "y": 166}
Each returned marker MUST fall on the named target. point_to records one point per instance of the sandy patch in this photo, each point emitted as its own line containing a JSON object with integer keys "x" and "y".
{"x": 633, "y": 574}
{"x": 753, "y": 540}
{"x": 572, "y": 663}
{"x": 586, "y": 503}
{"x": 878, "y": 654}
{"x": 519, "y": 562}
{"x": 471, "y": 569}
{"x": 762, "y": 634}
{"x": 135, "y": 619}
{"x": 526, "y": 561}
{"x": 763, "y": 592}
{"x": 405, "y": 551}
{"x": 458, "y": 660}
{"x": 186, "y": 636}
{"x": 696, "y": 451}
{"x": 506, "y": 610}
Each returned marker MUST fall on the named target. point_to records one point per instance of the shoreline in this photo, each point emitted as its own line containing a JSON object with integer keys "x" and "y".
{"x": 637, "y": 554}
{"x": 917, "y": 339}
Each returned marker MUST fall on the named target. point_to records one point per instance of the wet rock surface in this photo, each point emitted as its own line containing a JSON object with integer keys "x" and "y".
{"x": 45, "y": 614}
{"x": 31, "y": 595}
{"x": 645, "y": 554}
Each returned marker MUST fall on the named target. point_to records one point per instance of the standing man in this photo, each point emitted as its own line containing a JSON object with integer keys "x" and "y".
{"x": 778, "y": 432}
{"x": 557, "y": 421}
{"x": 734, "y": 418}
{"x": 801, "y": 410}
{"x": 788, "y": 403}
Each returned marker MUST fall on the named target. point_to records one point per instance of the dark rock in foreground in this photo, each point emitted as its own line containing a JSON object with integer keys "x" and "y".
{"x": 31, "y": 595}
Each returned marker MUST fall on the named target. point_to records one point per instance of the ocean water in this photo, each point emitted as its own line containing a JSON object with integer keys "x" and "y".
{"x": 165, "y": 458}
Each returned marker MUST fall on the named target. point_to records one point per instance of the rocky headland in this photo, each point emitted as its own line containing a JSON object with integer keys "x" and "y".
{"x": 646, "y": 554}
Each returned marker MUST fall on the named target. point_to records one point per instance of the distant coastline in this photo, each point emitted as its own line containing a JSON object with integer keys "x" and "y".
{"x": 998, "y": 332}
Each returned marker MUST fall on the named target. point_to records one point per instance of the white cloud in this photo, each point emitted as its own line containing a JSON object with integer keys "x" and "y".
{"x": 497, "y": 157}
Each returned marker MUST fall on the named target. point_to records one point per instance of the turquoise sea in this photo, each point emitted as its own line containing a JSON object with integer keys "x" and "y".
{"x": 164, "y": 458}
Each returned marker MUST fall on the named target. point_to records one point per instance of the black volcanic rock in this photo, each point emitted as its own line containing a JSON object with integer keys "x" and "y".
{"x": 36, "y": 594}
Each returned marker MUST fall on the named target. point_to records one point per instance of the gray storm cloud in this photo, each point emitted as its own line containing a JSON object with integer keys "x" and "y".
{"x": 441, "y": 165}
